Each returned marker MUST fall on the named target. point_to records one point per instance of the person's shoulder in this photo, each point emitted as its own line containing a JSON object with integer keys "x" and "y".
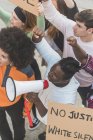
{"x": 28, "y": 70}
{"x": 74, "y": 81}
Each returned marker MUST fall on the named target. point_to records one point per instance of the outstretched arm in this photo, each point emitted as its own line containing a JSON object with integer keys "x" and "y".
{"x": 55, "y": 17}
{"x": 70, "y": 9}
{"x": 69, "y": 3}
{"x": 80, "y": 54}
{"x": 44, "y": 48}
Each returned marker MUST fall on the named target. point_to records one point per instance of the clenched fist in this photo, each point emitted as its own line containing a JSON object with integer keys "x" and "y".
{"x": 72, "y": 41}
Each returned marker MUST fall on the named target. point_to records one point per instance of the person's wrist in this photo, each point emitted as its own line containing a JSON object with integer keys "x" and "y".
{"x": 35, "y": 40}
{"x": 36, "y": 102}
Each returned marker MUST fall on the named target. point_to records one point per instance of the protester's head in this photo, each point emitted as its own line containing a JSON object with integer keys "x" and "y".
{"x": 23, "y": 19}
{"x": 84, "y": 23}
{"x": 15, "y": 48}
{"x": 63, "y": 71}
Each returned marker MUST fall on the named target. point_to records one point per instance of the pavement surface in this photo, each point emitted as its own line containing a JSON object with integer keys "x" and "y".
{"x": 33, "y": 135}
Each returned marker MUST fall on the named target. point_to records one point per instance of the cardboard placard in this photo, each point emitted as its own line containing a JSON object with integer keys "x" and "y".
{"x": 28, "y": 5}
{"x": 67, "y": 122}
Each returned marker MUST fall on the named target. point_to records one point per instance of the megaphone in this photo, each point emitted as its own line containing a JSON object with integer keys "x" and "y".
{"x": 15, "y": 88}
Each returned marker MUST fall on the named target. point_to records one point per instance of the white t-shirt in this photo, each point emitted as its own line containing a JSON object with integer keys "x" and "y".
{"x": 65, "y": 94}
{"x": 65, "y": 25}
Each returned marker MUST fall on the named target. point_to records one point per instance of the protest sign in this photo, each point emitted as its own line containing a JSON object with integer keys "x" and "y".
{"x": 28, "y": 5}
{"x": 67, "y": 122}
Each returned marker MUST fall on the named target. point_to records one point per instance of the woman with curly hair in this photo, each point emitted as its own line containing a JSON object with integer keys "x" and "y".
{"x": 16, "y": 53}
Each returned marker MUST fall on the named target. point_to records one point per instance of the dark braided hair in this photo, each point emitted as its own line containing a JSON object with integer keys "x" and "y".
{"x": 69, "y": 66}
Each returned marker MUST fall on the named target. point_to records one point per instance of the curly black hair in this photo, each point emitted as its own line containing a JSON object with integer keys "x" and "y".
{"x": 18, "y": 46}
{"x": 69, "y": 66}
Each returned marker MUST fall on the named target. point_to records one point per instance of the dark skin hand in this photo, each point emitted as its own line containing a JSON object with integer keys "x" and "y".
{"x": 38, "y": 34}
{"x": 72, "y": 41}
{"x": 33, "y": 97}
{"x": 80, "y": 54}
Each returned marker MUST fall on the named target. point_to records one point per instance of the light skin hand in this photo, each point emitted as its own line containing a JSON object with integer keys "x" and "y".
{"x": 40, "y": 9}
{"x": 45, "y": 0}
{"x": 69, "y": 3}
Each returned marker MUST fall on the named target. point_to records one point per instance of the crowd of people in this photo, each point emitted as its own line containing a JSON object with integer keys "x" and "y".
{"x": 63, "y": 37}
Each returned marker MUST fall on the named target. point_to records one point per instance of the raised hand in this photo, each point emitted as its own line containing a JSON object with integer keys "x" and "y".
{"x": 40, "y": 8}
{"x": 38, "y": 34}
{"x": 72, "y": 41}
{"x": 43, "y": 0}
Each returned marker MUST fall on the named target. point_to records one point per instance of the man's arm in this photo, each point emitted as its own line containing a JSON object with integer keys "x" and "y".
{"x": 69, "y": 3}
{"x": 58, "y": 20}
{"x": 80, "y": 54}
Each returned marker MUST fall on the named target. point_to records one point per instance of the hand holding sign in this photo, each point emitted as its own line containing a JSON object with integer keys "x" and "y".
{"x": 28, "y": 5}
{"x": 34, "y": 7}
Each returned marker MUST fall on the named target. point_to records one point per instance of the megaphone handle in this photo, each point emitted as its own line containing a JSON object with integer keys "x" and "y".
{"x": 28, "y": 113}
